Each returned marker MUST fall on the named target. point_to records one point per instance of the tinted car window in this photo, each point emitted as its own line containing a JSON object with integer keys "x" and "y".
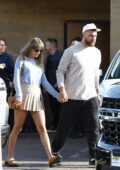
{"x": 115, "y": 71}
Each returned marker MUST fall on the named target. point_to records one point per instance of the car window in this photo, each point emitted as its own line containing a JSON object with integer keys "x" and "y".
{"x": 115, "y": 72}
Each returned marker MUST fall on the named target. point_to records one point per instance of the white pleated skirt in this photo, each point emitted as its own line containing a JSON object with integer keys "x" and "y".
{"x": 32, "y": 98}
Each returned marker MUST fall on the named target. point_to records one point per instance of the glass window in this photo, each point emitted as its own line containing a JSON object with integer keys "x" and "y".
{"x": 115, "y": 72}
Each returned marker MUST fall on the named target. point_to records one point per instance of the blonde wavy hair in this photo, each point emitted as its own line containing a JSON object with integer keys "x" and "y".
{"x": 34, "y": 43}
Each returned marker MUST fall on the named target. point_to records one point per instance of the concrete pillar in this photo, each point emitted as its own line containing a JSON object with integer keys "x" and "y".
{"x": 115, "y": 27}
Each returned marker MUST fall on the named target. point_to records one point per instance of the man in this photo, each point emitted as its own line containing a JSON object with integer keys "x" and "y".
{"x": 6, "y": 66}
{"x": 6, "y": 73}
{"x": 78, "y": 81}
{"x": 51, "y": 65}
{"x": 78, "y": 130}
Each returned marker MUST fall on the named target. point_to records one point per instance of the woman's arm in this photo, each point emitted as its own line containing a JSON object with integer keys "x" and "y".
{"x": 48, "y": 87}
{"x": 16, "y": 79}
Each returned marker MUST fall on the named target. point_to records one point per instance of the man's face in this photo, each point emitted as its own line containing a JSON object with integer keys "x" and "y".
{"x": 48, "y": 46}
{"x": 2, "y": 47}
{"x": 90, "y": 37}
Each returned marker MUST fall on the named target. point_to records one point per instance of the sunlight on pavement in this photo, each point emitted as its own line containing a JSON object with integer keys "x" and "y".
{"x": 41, "y": 165}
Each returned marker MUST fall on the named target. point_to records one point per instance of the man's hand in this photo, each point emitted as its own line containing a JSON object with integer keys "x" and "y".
{"x": 2, "y": 66}
{"x": 63, "y": 95}
{"x": 97, "y": 90}
{"x": 60, "y": 99}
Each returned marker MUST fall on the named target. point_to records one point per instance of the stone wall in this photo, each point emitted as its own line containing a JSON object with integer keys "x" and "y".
{"x": 22, "y": 19}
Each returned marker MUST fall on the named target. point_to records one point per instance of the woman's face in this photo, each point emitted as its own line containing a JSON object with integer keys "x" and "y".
{"x": 34, "y": 53}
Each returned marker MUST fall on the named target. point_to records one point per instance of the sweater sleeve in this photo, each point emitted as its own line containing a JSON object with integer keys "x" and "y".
{"x": 63, "y": 66}
{"x": 16, "y": 79}
{"x": 48, "y": 87}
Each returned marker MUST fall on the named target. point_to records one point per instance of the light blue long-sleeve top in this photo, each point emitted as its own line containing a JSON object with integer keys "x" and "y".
{"x": 28, "y": 72}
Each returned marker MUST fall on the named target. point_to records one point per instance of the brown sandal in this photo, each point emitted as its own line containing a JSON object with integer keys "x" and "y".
{"x": 54, "y": 161}
{"x": 11, "y": 162}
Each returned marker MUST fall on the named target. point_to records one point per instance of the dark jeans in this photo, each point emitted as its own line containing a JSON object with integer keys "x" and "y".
{"x": 55, "y": 107}
{"x": 11, "y": 111}
{"x": 72, "y": 110}
{"x": 78, "y": 128}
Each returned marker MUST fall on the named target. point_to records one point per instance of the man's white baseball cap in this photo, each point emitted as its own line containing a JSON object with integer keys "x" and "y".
{"x": 91, "y": 26}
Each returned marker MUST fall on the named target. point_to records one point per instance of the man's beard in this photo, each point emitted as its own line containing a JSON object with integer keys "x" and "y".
{"x": 90, "y": 43}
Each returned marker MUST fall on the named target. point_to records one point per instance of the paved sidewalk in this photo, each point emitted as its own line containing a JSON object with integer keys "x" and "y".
{"x": 30, "y": 154}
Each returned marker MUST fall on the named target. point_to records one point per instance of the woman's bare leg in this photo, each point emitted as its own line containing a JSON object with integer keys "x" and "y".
{"x": 19, "y": 119}
{"x": 39, "y": 119}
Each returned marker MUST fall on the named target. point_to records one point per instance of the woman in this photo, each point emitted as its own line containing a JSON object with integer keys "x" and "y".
{"x": 28, "y": 76}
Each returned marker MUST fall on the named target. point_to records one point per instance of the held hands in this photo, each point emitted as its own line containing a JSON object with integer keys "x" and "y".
{"x": 63, "y": 97}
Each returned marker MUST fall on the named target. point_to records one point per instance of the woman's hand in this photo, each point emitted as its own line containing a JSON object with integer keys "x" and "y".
{"x": 17, "y": 104}
{"x": 59, "y": 99}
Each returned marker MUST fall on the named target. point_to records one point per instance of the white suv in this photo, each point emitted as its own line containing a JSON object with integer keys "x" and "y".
{"x": 108, "y": 146}
{"x": 4, "y": 113}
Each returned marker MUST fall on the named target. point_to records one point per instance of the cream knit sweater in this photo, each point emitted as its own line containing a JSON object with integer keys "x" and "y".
{"x": 78, "y": 72}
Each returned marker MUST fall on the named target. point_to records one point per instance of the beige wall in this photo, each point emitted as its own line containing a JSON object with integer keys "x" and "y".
{"x": 115, "y": 27}
{"x": 22, "y": 19}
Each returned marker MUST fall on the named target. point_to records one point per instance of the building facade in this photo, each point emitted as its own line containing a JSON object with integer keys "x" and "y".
{"x": 114, "y": 27}
{"x": 61, "y": 19}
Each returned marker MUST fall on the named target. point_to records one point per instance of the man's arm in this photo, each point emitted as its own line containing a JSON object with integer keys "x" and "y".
{"x": 97, "y": 75}
{"x": 61, "y": 72}
{"x": 10, "y": 69}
